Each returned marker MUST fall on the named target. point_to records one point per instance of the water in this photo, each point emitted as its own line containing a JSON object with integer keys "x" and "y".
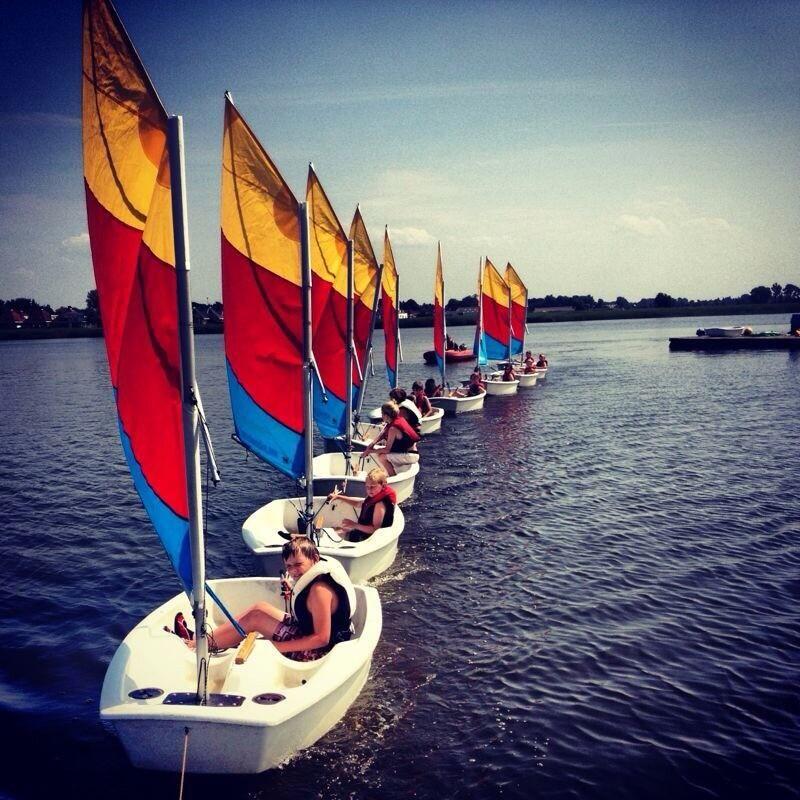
{"x": 596, "y": 594}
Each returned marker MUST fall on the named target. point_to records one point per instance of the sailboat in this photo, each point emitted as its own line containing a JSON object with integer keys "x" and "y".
{"x": 496, "y": 326}
{"x": 390, "y": 303}
{"x": 174, "y": 708}
{"x": 454, "y": 403}
{"x": 267, "y": 291}
{"x": 518, "y": 312}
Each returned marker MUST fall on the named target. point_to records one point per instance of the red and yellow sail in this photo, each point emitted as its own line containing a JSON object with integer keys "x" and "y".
{"x": 495, "y": 312}
{"x": 329, "y": 308}
{"x": 129, "y": 212}
{"x": 365, "y": 287}
{"x": 439, "y": 323}
{"x": 390, "y": 310}
{"x": 262, "y": 296}
{"x": 519, "y": 309}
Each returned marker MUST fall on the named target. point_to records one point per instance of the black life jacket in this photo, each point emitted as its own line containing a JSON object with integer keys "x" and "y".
{"x": 332, "y": 573}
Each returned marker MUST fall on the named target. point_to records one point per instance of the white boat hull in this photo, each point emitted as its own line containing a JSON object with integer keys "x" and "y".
{"x": 459, "y": 405}
{"x": 429, "y": 424}
{"x": 361, "y": 560}
{"x": 527, "y": 380}
{"x": 731, "y": 330}
{"x": 330, "y": 471}
{"x": 241, "y": 739}
{"x": 499, "y": 388}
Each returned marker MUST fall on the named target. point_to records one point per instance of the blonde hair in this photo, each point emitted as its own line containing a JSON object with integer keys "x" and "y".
{"x": 390, "y": 409}
{"x": 378, "y": 475}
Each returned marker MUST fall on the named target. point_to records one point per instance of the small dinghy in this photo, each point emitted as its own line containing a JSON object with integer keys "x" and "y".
{"x": 527, "y": 379}
{"x": 497, "y": 387}
{"x": 454, "y": 405}
{"x": 331, "y": 470}
{"x": 257, "y": 714}
{"x": 361, "y": 560}
{"x": 429, "y": 424}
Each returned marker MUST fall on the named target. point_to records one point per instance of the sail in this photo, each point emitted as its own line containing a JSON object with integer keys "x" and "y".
{"x": 129, "y": 213}
{"x": 479, "y": 345}
{"x": 329, "y": 309}
{"x": 519, "y": 309}
{"x": 262, "y": 296}
{"x": 495, "y": 312}
{"x": 389, "y": 310}
{"x": 439, "y": 323}
{"x": 365, "y": 288}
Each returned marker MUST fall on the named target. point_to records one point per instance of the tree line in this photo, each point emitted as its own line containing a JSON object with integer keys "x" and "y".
{"x": 25, "y": 311}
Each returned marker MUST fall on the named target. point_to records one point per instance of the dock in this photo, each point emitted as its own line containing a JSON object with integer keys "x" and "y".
{"x": 721, "y": 343}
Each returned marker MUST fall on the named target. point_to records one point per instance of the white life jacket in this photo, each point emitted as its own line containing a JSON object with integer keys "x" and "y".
{"x": 332, "y": 568}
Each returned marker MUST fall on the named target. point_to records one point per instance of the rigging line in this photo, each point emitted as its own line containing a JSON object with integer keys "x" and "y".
{"x": 183, "y": 760}
{"x": 198, "y": 404}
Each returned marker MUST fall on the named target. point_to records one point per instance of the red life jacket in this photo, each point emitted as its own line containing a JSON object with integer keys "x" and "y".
{"x": 409, "y": 437}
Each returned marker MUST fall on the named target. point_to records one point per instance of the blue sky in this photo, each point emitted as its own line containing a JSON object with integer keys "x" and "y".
{"x": 607, "y": 148}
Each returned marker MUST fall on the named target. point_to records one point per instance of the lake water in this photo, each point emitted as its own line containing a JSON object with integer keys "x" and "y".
{"x": 596, "y": 594}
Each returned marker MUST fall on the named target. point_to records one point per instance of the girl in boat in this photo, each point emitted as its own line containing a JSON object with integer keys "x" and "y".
{"x": 375, "y": 511}
{"x": 322, "y": 601}
{"x": 432, "y": 389}
{"x": 401, "y": 441}
{"x": 508, "y": 373}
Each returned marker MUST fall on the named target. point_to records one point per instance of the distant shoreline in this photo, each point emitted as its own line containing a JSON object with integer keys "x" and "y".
{"x": 589, "y": 315}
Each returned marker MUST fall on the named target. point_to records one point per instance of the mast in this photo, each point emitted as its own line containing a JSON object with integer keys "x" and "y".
{"x": 349, "y": 356}
{"x": 368, "y": 352}
{"x": 191, "y": 428}
{"x": 308, "y": 359}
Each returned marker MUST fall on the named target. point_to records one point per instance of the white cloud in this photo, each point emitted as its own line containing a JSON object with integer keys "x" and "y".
{"x": 78, "y": 242}
{"x": 411, "y": 236}
{"x": 644, "y": 226}
{"x": 709, "y": 223}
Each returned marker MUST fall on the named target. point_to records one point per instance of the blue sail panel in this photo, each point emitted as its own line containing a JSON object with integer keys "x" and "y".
{"x": 493, "y": 348}
{"x": 330, "y": 413}
{"x": 172, "y": 530}
{"x": 262, "y": 434}
{"x": 516, "y": 346}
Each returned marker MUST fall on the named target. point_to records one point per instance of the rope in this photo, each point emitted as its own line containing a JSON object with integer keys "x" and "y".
{"x": 183, "y": 764}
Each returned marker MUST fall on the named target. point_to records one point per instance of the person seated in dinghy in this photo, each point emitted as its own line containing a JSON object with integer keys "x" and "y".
{"x": 401, "y": 441}
{"x": 421, "y": 399}
{"x": 508, "y": 373}
{"x": 530, "y": 364}
{"x": 542, "y": 362}
{"x": 322, "y": 601}
{"x": 432, "y": 389}
{"x": 376, "y": 510}
{"x": 473, "y": 388}
{"x": 476, "y": 374}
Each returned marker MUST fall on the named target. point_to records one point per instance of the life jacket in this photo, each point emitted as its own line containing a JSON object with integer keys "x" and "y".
{"x": 333, "y": 573}
{"x": 409, "y": 405}
{"x": 386, "y": 496}
{"x": 409, "y": 437}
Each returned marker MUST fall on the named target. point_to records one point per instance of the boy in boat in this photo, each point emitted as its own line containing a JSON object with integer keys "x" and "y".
{"x": 322, "y": 603}
{"x": 530, "y": 365}
{"x": 421, "y": 399}
{"x": 473, "y": 388}
{"x": 508, "y": 373}
{"x": 542, "y": 362}
{"x": 401, "y": 441}
{"x": 376, "y": 510}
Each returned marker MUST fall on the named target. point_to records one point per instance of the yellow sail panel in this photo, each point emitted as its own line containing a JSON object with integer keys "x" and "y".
{"x": 494, "y": 286}
{"x": 365, "y": 264}
{"x": 259, "y": 212}
{"x": 124, "y": 131}
{"x": 328, "y": 239}
{"x": 389, "y": 280}
{"x": 519, "y": 292}
{"x": 438, "y": 291}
